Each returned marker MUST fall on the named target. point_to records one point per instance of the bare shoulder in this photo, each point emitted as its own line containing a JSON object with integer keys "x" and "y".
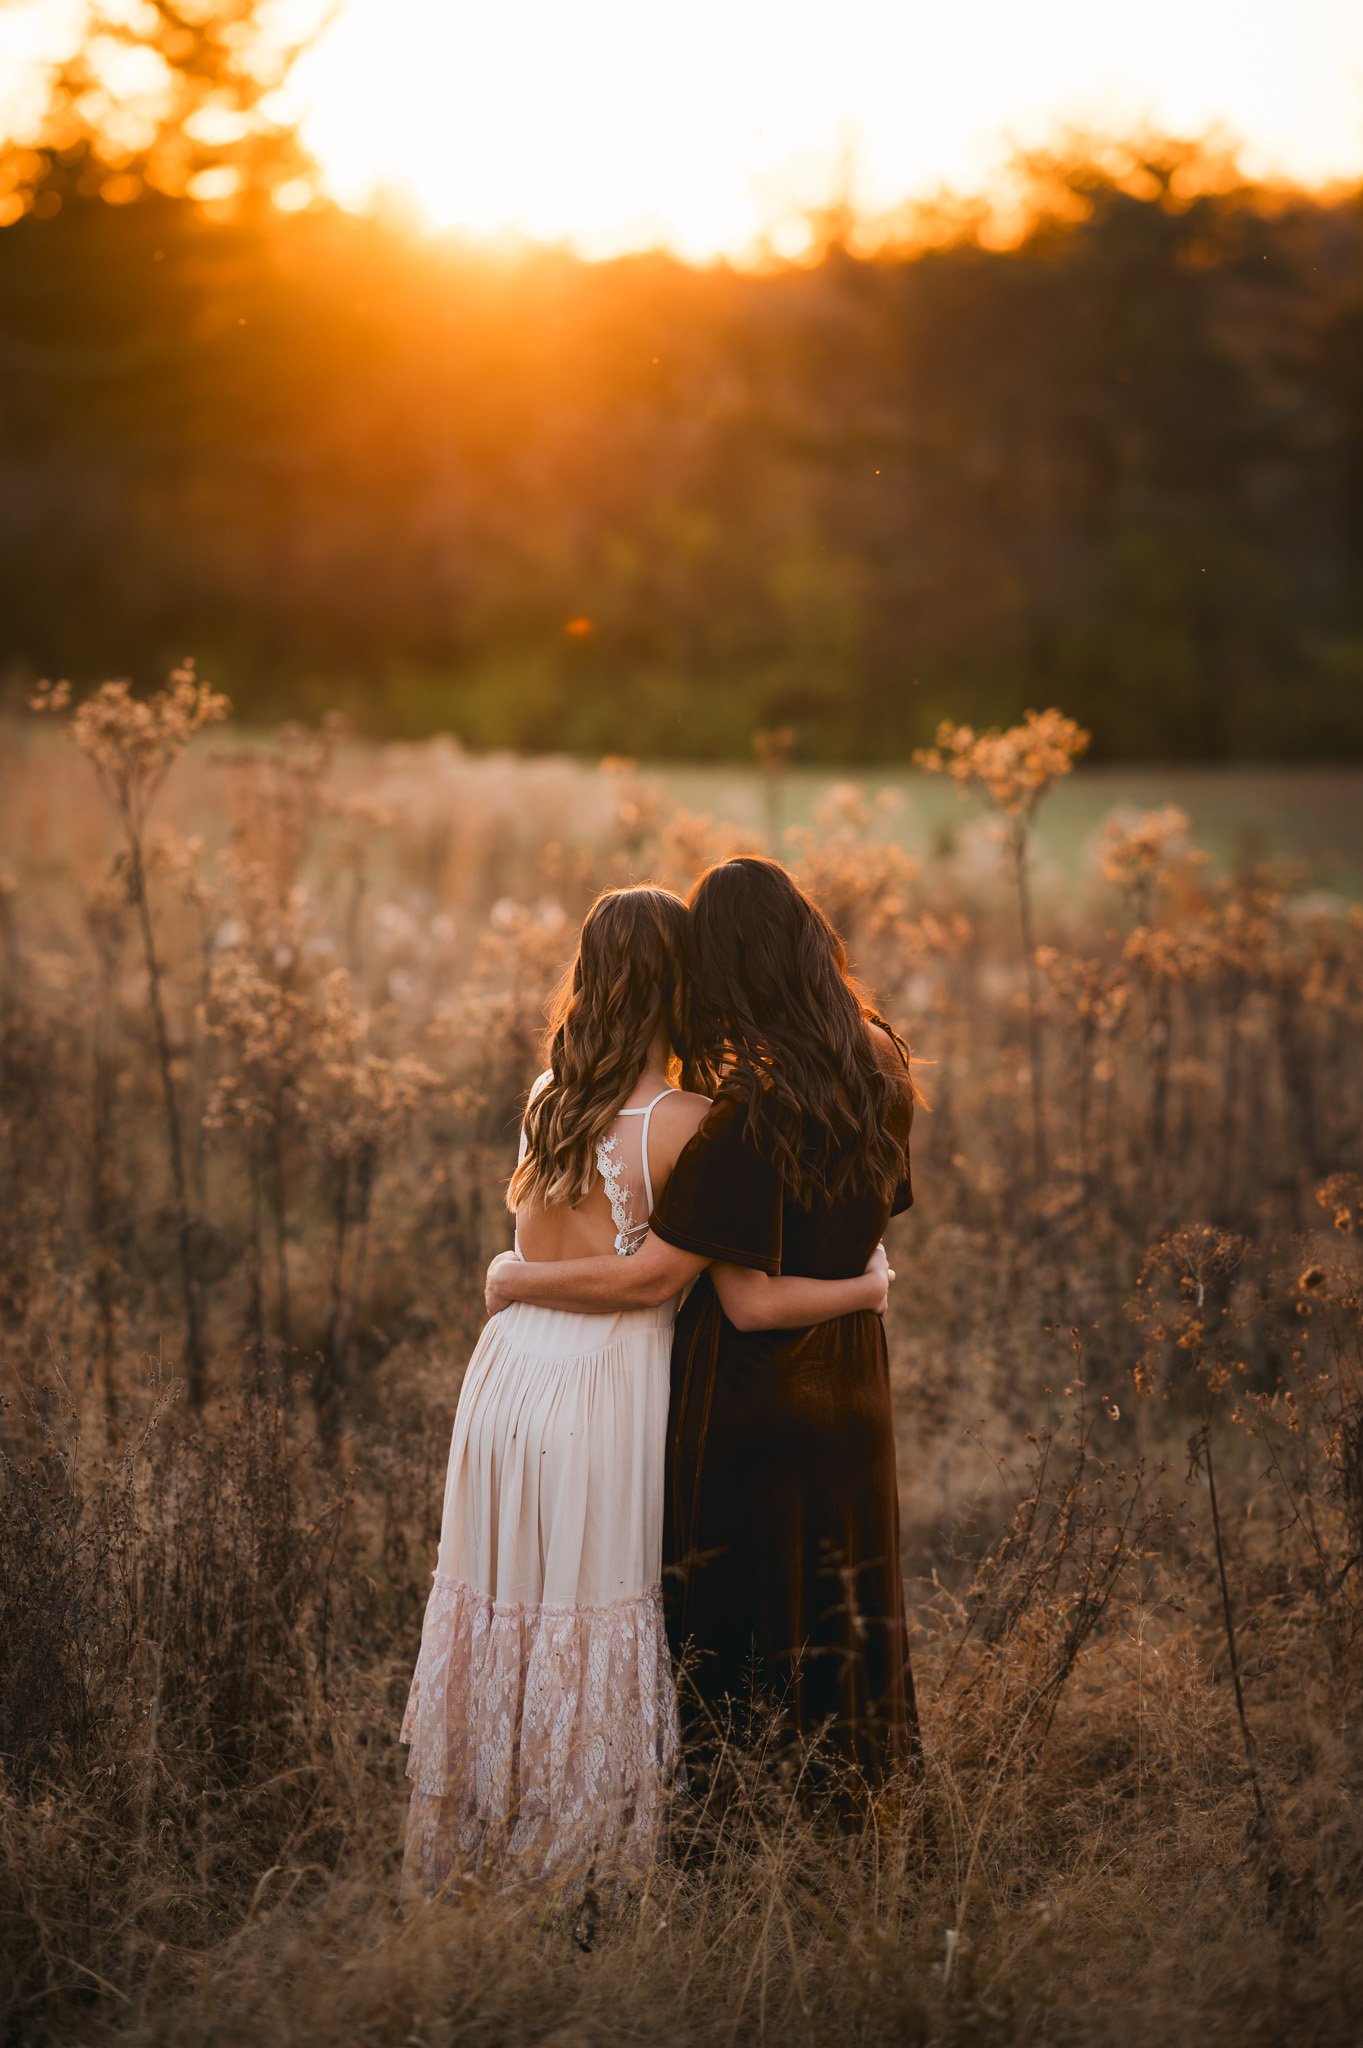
{"x": 676, "y": 1120}
{"x": 685, "y": 1112}
{"x": 893, "y": 1060}
{"x": 887, "y": 1048}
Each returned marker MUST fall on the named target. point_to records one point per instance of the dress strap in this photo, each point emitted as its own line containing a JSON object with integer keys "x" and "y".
{"x": 646, "y": 1108}
{"x": 630, "y": 1230}
{"x": 643, "y": 1146}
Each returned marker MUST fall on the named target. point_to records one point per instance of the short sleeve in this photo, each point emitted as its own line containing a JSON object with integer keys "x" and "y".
{"x": 723, "y": 1200}
{"x": 899, "y": 1111}
{"x": 903, "y": 1194}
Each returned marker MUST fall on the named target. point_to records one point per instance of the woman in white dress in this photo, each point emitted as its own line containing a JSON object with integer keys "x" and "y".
{"x": 542, "y": 1717}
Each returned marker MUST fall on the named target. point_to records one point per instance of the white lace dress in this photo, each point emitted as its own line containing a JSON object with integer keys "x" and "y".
{"x": 542, "y": 1717}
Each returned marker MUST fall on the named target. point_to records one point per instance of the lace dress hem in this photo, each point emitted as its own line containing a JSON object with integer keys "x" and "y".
{"x": 541, "y": 1736}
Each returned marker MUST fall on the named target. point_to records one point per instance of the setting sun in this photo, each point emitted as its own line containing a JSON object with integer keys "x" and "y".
{"x": 615, "y": 126}
{"x": 591, "y": 593}
{"x": 717, "y": 131}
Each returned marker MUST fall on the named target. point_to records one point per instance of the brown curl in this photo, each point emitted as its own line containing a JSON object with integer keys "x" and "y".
{"x": 626, "y": 979}
{"x": 776, "y": 1017}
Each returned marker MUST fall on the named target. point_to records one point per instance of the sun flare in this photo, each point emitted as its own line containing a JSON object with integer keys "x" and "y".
{"x": 716, "y": 130}
{"x": 613, "y": 125}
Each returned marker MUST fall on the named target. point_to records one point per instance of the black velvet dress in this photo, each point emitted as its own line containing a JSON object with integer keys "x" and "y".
{"x": 781, "y": 1529}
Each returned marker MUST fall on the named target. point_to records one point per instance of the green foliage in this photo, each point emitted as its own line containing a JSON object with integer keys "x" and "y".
{"x": 1120, "y": 464}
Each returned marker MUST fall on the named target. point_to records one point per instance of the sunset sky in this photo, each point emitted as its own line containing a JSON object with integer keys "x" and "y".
{"x": 617, "y": 123}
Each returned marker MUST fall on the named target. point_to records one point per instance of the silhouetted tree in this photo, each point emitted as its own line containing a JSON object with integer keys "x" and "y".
{"x": 1117, "y": 465}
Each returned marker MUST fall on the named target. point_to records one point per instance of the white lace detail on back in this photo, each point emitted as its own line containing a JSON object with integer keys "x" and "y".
{"x": 629, "y": 1232}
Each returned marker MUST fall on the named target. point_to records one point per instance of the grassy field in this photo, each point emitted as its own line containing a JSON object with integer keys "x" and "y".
{"x": 263, "y": 1031}
{"x": 1242, "y": 817}
{"x": 1308, "y": 818}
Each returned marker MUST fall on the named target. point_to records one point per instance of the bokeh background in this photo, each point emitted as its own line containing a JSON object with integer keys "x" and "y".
{"x": 923, "y": 444}
{"x": 1088, "y": 429}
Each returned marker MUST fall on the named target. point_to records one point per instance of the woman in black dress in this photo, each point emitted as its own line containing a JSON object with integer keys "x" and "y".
{"x": 782, "y": 1522}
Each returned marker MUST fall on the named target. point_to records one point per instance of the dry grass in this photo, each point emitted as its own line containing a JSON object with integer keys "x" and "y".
{"x": 1132, "y": 1276}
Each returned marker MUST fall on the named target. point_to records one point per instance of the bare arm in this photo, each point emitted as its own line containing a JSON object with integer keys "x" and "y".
{"x": 603, "y": 1285}
{"x": 658, "y": 1270}
{"x": 652, "y": 1276}
{"x": 757, "y": 1301}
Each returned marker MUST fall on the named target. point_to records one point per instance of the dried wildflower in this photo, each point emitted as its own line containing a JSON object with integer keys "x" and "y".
{"x": 1169, "y": 953}
{"x": 263, "y": 1034}
{"x": 1191, "y": 1323}
{"x": 1146, "y": 852}
{"x": 276, "y": 800}
{"x": 691, "y": 841}
{"x": 944, "y": 934}
{"x": 1014, "y": 767}
{"x": 133, "y": 744}
{"x": 843, "y": 808}
{"x": 1341, "y": 1197}
{"x": 132, "y": 741}
{"x": 1096, "y": 995}
{"x": 1185, "y": 1309}
{"x": 1097, "y": 992}
{"x": 863, "y": 886}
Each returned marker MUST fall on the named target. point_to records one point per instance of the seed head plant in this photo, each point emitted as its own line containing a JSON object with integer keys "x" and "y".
{"x": 211, "y": 1611}
{"x": 1015, "y": 768}
{"x": 133, "y": 744}
{"x": 1192, "y": 1322}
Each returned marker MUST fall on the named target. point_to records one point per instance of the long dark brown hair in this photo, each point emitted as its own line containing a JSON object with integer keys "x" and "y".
{"x": 627, "y": 977}
{"x": 776, "y": 1017}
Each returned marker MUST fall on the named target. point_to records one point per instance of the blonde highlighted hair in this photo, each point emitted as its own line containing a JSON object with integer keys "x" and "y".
{"x": 626, "y": 980}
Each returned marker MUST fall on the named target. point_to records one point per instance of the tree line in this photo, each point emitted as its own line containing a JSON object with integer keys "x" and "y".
{"x": 638, "y": 506}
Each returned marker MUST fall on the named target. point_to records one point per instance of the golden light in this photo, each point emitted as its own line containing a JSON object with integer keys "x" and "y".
{"x": 715, "y": 128}
{"x": 607, "y": 123}
{"x": 616, "y": 124}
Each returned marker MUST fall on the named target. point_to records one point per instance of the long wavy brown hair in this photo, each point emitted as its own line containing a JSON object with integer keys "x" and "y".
{"x": 628, "y": 976}
{"x": 775, "y": 1015}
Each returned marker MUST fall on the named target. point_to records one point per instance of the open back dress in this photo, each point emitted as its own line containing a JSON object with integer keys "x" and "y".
{"x": 542, "y": 1718}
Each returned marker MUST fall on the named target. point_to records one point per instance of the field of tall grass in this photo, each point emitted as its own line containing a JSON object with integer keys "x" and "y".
{"x": 268, "y": 1004}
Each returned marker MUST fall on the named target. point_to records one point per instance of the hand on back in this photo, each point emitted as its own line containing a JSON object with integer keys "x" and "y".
{"x": 880, "y": 1271}
{"x": 493, "y": 1297}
